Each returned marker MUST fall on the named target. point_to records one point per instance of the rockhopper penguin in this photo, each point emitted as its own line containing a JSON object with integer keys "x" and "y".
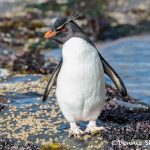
{"x": 80, "y": 89}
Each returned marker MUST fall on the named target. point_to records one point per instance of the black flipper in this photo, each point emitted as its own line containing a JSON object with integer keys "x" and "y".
{"x": 51, "y": 81}
{"x": 108, "y": 70}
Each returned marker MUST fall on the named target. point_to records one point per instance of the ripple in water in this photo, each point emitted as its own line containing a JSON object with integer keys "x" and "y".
{"x": 131, "y": 58}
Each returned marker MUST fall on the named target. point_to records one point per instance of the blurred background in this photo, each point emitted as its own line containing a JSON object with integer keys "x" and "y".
{"x": 120, "y": 29}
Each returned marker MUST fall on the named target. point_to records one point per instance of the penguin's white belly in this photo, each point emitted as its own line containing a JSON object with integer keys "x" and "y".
{"x": 80, "y": 87}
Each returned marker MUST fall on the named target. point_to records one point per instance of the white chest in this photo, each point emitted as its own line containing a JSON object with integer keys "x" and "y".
{"x": 79, "y": 56}
{"x": 80, "y": 84}
{"x": 77, "y": 50}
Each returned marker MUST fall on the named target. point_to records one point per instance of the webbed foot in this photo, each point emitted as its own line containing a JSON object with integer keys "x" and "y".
{"x": 74, "y": 130}
{"x": 92, "y": 128}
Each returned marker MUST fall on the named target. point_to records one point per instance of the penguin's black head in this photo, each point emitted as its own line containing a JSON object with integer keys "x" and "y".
{"x": 63, "y": 29}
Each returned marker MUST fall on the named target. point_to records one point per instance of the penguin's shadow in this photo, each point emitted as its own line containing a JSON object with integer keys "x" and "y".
{"x": 82, "y": 125}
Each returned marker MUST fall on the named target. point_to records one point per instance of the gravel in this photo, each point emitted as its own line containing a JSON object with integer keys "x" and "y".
{"x": 30, "y": 124}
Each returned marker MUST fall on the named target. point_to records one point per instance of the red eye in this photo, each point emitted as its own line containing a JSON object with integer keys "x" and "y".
{"x": 63, "y": 29}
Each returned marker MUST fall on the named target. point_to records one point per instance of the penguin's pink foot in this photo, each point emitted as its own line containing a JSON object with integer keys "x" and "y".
{"x": 74, "y": 130}
{"x": 92, "y": 128}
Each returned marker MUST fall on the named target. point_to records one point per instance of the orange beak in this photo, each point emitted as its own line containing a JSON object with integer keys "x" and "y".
{"x": 49, "y": 34}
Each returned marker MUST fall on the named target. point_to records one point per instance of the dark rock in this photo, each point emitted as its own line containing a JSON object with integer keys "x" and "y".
{"x": 9, "y": 144}
{"x": 32, "y": 62}
{"x": 1, "y": 107}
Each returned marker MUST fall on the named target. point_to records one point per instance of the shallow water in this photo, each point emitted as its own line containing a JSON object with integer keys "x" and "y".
{"x": 25, "y": 78}
{"x": 130, "y": 57}
{"x": 18, "y": 99}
